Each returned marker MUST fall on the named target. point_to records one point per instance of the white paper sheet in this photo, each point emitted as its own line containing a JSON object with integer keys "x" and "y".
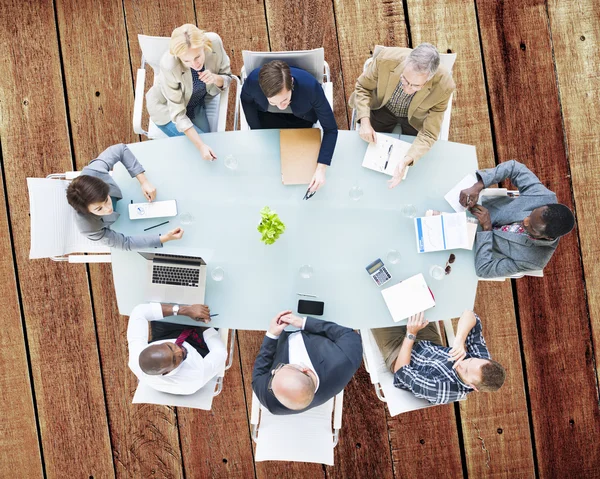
{"x": 453, "y": 195}
{"x": 442, "y": 232}
{"x": 408, "y": 297}
{"x": 377, "y": 154}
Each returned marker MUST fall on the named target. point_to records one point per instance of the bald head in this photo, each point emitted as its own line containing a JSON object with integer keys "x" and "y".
{"x": 292, "y": 388}
{"x": 161, "y": 358}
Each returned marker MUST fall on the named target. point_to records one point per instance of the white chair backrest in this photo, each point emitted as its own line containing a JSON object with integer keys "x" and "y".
{"x": 312, "y": 61}
{"x": 446, "y": 59}
{"x": 305, "y": 437}
{"x": 153, "y": 48}
{"x": 53, "y": 228}
{"x": 398, "y": 400}
{"x": 201, "y": 399}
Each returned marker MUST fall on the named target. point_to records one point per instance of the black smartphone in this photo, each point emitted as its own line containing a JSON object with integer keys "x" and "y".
{"x": 312, "y": 308}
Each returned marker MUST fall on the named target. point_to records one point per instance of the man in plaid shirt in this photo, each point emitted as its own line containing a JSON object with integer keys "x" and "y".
{"x": 436, "y": 373}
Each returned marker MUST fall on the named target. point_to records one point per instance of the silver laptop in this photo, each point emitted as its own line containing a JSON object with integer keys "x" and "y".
{"x": 174, "y": 278}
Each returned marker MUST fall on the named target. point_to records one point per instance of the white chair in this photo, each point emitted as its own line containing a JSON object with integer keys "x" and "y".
{"x": 312, "y": 61}
{"x": 201, "y": 399}
{"x": 511, "y": 194}
{"x": 304, "y": 437}
{"x": 54, "y": 233}
{"x": 153, "y": 48}
{"x": 398, "y": 400}
{"x": 447, "y": 60}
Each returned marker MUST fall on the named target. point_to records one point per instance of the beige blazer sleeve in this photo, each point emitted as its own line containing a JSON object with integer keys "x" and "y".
{"x": 363, "y": 90}
{"x": 432, "y": 125}
{"x": 171, "y": 87}
{"x": 218, "y": 63}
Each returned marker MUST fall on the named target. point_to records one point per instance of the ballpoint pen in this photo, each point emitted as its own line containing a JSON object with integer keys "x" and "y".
{"x": 388, "y": 157}
{"x": 309, "y": 194}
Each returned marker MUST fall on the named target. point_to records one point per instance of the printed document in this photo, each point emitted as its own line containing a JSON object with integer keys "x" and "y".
{"x": 442, "y": 232}
{"x": 387, "y": 149}
{"x": 408, "y": 297}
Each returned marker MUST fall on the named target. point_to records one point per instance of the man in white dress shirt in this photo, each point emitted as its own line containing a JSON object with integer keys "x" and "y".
{"x": 177, "y": 360}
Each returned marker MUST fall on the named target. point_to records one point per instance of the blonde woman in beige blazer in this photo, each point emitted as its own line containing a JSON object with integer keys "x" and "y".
{"x": 196, "y": 66}
{"x": 411, "y": 78}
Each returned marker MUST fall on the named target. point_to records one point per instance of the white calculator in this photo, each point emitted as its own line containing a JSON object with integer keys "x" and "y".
{"x": 378, "y": 272}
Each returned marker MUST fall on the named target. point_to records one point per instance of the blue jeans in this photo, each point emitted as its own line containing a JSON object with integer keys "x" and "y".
{"x": 200, "y": 122}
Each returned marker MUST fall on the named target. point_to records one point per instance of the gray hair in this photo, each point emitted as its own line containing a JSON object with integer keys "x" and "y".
{"x": 424, "y": 59}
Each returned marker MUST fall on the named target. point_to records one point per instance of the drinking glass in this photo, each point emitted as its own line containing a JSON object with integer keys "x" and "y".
{"x": 306, "y": 271}
{"x": 231, "y": 162}
{"x": 409, "y": 210}
{"x": 217, "y": 274}
{"x": 393, "y": 256}
{"x": 186, "y": 218}
{"x": 356, "y": 192}
{"x": 437, "y": 272}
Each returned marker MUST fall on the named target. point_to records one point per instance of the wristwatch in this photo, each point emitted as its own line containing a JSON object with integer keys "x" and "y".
{"x": 411, "y": 336}
{"x": 175, "y": 309}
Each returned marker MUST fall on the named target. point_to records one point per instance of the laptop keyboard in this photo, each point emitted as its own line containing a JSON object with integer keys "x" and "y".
{"x": 175, "y": 276}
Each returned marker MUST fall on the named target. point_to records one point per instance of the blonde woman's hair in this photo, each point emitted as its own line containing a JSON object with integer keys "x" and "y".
{"x": 188, "y": 36}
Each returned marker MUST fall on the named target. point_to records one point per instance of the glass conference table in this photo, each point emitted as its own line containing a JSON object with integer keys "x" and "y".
{"x": 335, "y": 234}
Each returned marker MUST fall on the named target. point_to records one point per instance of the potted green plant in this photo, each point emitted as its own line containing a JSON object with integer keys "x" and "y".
{"x": 270, "y": 226}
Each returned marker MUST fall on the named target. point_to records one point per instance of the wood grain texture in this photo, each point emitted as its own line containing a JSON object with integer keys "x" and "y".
{"x": 144, "y": 439}
{"x": 362, "y": 25}
{"x": 304, "y": 26}
{"x": 19, "y": 448}
{"x": 363, "y": 449}
{"x": 497, "y": 421}
{"x": 249, "y": 342}
{"x": 425, "y": 443}
{"x": 217, "y": 443}
{"x": 58, "y": 316}
{"x": 575, "y": 36}
{"x": 553, "y": 310}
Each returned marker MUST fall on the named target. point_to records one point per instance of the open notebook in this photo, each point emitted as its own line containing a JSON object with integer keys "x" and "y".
{"x": 385, "y": 155}
{"x": 408, "y": 297}
{"x": 444, "y": 232}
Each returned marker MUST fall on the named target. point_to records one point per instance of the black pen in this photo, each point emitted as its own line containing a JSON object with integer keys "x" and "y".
{"x": 213, "y": 315}
{"x": 388, "y": 157}
{"x": 156, "y": 226}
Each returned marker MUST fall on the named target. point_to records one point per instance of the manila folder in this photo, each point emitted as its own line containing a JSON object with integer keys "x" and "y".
{"x": 299, "y": 153}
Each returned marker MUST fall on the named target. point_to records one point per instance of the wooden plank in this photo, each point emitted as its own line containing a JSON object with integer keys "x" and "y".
{"x": 553, "y": 310}
{"x": 249, "y": 342}
{"x": 19, "y": 448}
{"x": 58, "y": 317}
{"x": 304, "y": 26}
{"x": 227, "y": 449}
{"x": 497, "y": 422}
{"x": 362, "y": 25}
{"x": 100, "y": 99}
{"x": 575, "y": 33}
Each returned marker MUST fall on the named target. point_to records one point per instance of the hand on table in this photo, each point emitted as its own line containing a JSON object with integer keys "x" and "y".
{"x": 207, "y": 153}
{"x": 366, "y": 131}
{"x": 293, "y": 320}
{"x": 318, "y": 178}
{"x": 483, "y": 215}
{"x": 197, "y": 312}
{"x": 175, "y": 234}
{"x": 416, "y": 322}
{"x": 148, "y": 190}
{"x": 399, "y": 172}
{"x": 277, "y": 325}
{"x": 457, "y": 353}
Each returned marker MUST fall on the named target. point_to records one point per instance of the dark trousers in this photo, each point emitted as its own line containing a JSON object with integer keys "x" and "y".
{"x": 163, "y": 330}
{"x": 281, "y": 121}
{"x": 384, "y": 121}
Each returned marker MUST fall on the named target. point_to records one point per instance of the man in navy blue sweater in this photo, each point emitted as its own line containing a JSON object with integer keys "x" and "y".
{"x": 277, "y": 96}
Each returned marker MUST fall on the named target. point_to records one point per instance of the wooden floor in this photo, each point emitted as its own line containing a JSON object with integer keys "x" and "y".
{"x": 527, "y": 88}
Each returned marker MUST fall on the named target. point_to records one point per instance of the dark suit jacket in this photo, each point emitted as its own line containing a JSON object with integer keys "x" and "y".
{"x": 308, "y": 102}
{"x": 335, "y": 352}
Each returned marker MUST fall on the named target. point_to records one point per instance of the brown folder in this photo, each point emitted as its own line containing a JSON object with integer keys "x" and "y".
{"x": 299, "y": 150}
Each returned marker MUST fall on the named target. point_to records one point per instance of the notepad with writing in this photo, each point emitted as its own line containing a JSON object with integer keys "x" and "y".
{"x": 408, "y": 297}
{"x": 379, "y": 153}
{"x": 299, "y": 149}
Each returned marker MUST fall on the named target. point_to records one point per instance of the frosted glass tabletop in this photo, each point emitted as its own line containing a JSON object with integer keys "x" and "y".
{"x": 335, "y": 234}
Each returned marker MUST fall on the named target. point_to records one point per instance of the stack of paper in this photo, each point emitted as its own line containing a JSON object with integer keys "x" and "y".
{"x": 444, "y": 232}
{"x": 387, "y": 150}
{"x": 409, "y": 297}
